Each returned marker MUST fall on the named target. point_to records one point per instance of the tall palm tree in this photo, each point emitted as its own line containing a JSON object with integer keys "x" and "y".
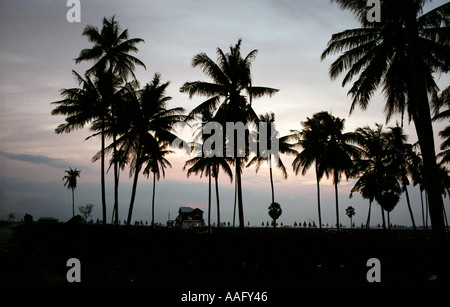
{"x": 81, "y": 106}
{"x": 202, "y": 165}
{"x": 283, "y": 148}
{"x": 400, "y": 54}
{"x": 156, "y": 164}
{"x": 71, "y": 183}
{"x": 150, "y": 126}
{"x": 402, "y": 161}
{"x": 338, "y": 153}
{"x": 229, "y": 95}
{"x": 312, "y": 141}
{"x": 371, "y": 162}
{"x": 111, "y": 52}
{"x": 439, "y": 102}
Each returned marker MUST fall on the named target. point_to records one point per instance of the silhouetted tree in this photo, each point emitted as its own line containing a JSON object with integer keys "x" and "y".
{"x": 350, "y": 211}
{"x": 275, "y": 212}
{"x": 111, "y": 52}
{"x": 400, "y": 53}
{"x": 283, "y": 148}
{"x": 86, "y": 211}
{"x": 231, "y": 76}
{"x": 150, "y": 129}
{"x": 71, "y": 183}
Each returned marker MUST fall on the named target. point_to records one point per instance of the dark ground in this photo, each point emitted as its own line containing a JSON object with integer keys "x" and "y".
{"x": 36, "y": 255}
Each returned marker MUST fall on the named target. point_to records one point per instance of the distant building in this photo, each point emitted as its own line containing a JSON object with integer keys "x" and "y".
{"x": 189, "y": 218}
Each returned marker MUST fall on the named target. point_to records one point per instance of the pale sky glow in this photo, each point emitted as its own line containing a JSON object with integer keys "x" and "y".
{"x": 37, "y": 48}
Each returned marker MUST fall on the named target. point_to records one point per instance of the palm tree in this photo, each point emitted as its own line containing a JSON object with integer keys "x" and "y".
{"x": 232, "y": 79}
{"x": 350, "y": 211}
{"x": 81, "y": 106}
{"x": 336, "y": 157}
{"x": 401, "y": 154}
{"x": 400, "y": 53}
{"x": 440, "y": 101}
{"x": 156, "y": 164}
{"x": 202, "y": 165}
{"x": 275, "y": 212}
{"x": 150, "y": 126}
{"x": 312, "y": 140}
{"x": 111, "y": 52}
{"x": 370, "y": 163}
{"x": 71, "y": 183}
{"x": 283, "y": 148}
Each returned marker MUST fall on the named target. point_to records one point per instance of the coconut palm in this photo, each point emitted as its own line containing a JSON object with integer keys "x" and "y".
{"x": 154, "y": 156}
{"x": 401, "y": 155}
{"x": 202, "y": 165}
{"x": 283, "y": 148}
{"x": 400, "y": 54}
{"x": 229, "y": 96}
{"x": 338, "y": 153}
{"x": 71, "y": 183}
{"x": 111, "y": 53}
{"x": 370, "y": 163}
{"x": 150, "y": 126}
{"x": 439, "y": 102}
{"x": 311, "y": 139}
{"x": 81, "y": 106}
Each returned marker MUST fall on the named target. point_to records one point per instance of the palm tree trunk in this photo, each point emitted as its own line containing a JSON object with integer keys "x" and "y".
{"x": 73, "y": 203}
{"x": 135, "y": 180}
{"x": 217, "y": 198}
{"x": 409, "y": 206}
{"x": 389, "y": 220}
{"x": 337, "y": 205}
{"x": 235, "y": 199}
{"x": 103, "y": 173}
{"x": 382, "y": 215}
{"x": 239, "y": 194}
{"x": 368, "y": 215}
{"x": 116, "y": 183}
{"x": 423, "y": 211}
{"x": 318, "y": 197}
{"x": 426, "y": 209}
{"x": 153, "y": 200}
{"x": 445, "y": 217}
{"x": 418, "y": 96}
{"x": 271, "y": 178}
{"x": 209, "y": 201}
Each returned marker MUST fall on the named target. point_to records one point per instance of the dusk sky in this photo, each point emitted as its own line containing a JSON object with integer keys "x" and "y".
{"x": 37, "y": 50}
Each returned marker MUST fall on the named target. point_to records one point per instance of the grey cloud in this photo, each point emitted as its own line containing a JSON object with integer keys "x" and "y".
{"x": 36, "y": 159}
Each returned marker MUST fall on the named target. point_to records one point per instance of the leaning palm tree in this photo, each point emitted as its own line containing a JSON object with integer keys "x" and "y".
{"x": 71, "y": 183}
{"x": 400, "y": 54}
{"x": 229, "y": 96}
{"x": 150, "y": 125}
{"x": 283, "y": 148}
{"x": 111, "y": 53}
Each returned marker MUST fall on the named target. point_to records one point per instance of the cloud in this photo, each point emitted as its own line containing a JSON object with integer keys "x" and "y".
{"x": 35, "y": 159}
